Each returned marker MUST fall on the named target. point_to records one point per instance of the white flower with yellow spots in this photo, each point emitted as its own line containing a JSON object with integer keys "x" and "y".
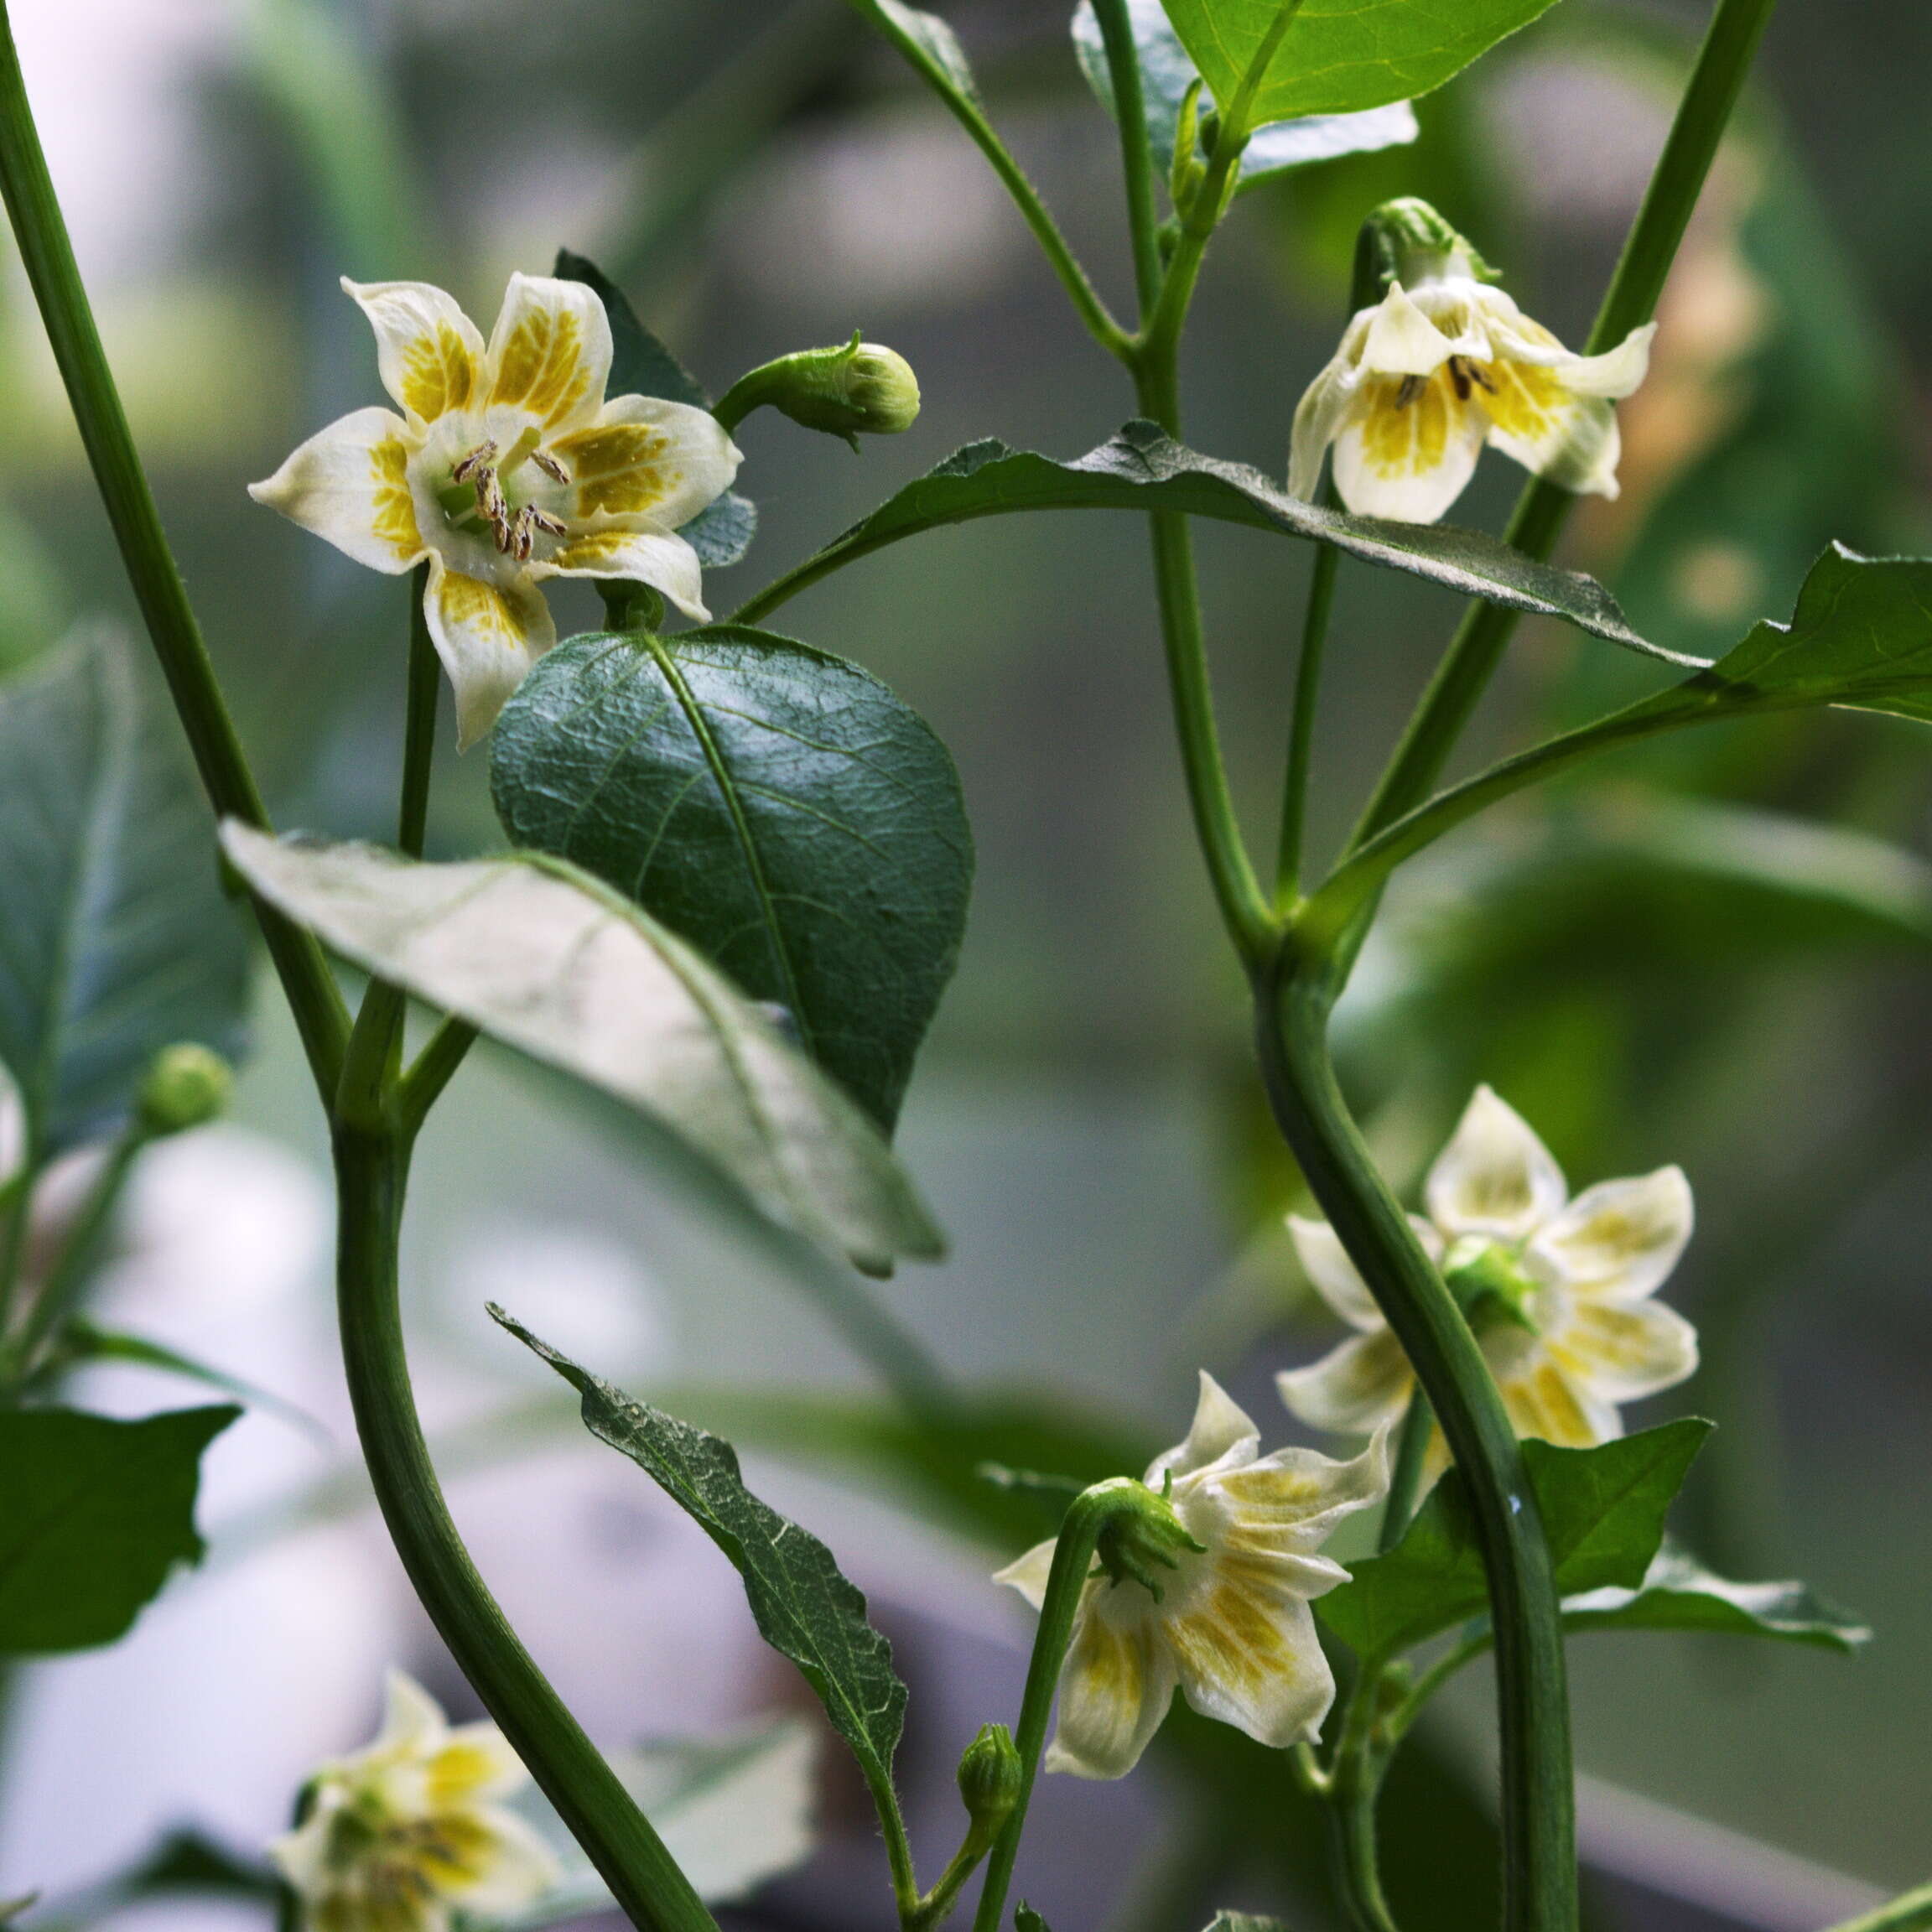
{"x": 401, "y": 1836}
{"x": 506, "y": 466}
{"x": 1231, "y": 1628}
{"x": 1434, "y": 371}
{"x": 1558, "y": 1291}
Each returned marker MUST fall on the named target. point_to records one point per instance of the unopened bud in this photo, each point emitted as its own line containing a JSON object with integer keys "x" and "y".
{"x": 858, "y": 388}
{"x": 990, "y": 1774}
{"x": 185, "y": 1086}
{"x": 1137, "y": 1542}
{"x": 1407, "y": 241}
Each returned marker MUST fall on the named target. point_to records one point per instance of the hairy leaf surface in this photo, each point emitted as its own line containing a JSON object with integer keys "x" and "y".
{"x": 550, "y": 960}
{"x": 805, "y": 1606}
{"x": 779, "y": 807}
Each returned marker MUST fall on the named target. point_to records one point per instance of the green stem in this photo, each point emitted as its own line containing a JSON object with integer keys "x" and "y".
{"x": 1397, "y": 1724}
{"x": 16, "y": 1209}
{"x": 1405, "y": 1479}
{"x": 1136, "y": 154}
{"x": 1723, "y": 61}
{"x": 1538, "y": 1801}
{"x": 1910, "y": 1912}
{"x": 48, "y": 256}
{"x": 425, "y": 685}
{"x": 431, "y": 1070}
{"x": 1086, "y": 1517}
{"x": 370, "y": 1170}
{"x": 965, "y": 109}
{"x": 1301, "y": 726}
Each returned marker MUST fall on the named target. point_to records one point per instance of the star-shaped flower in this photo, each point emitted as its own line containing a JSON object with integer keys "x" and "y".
{"x": 1232, "y": 1626}
{"x": 507, "y": 466}
{"x": 1558, "y": 1291}
{"x": 1433, "y": 371}
{"x": 402, "y": 1836}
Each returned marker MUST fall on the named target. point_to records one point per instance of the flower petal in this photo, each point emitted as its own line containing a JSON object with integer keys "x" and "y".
{"x": 658, "y": 557}
{"x": 1621, "y": 1238}
{"x": 1028, "y": 1574}
{"x": 1546, "y": 1403}
{"x": 646, "y": 457}
{"x": 1568, "y": 439}
{"x": 1319, "y": 1249}
{"x": 1622, "y": 1353}
{"x": 1495, "y": 1177}
{"x": 500, "y": 1866}
{"x": 473, "y": 1763}
{"x": 429, "y": 353}
{"x": 1248, "y": 1655}
{"x": 1115, "y": 1688}
{"x": 1411, "y": 458}
{"x": 488, "y": 632}
{"x": 1221, "y": 1427}
{"x": 1354, "y": 1389}
{"x": 349, "y": 483}
{"x": 413, "y": 1721}
{"x": 1288, "y": 1503}
{"x": 1319, "y": 416}
{"x": 550, "y": 351}
{"x": 1401, "y": 340}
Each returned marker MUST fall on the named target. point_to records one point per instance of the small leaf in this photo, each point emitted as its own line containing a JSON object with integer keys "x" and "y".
{"x": 1603, "y": 1512}
{"x": 1226, "y": 1921}
{"x": 1142, "y": 469}
{"x": 805, "y": 1607}
{"x": 641, "y": 366}
{"x": 1679, "y": 1593}
{"x": 114, "y": 940}
{"x": 778, "y": 807}
{"x": 1027, "y": 1919}
{"x": 1167, "y": 72}
{"x": 549, "y": 961}
{"x": 94, "y": 1514}
{"x": 1341, "y": 56}
{"x": 926, "y": 40}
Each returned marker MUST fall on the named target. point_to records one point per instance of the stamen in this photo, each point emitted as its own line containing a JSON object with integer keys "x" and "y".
{"x": 1411, "y": 387}
{"x": 1459, "y": 375}
{"x": 544, "y": 523}
{"x": 550, "y": 465}
{"x": 484, "y": 453}
{"x": 1483, "y": 379}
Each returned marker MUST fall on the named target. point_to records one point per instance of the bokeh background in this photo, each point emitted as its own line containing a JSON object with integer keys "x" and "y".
{"x": 1716, "y": 952}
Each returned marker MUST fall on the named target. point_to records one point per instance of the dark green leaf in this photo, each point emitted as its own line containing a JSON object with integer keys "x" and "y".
{"x": 1341, "y": 56}
{"x": 780, "y": 808}
{"x": 641, "y": 366}
{"x": 94, "y": 1514}
{"x": 186, "y": 1861}
{"x": 1679, "y": 1593}
{"x": 81, "y": 1341}
{"x": 115, "y": 941}
{"x": 1166, "y": 74}
{"x": 926, "y": 41}
{"x": 1603, "y": 1512}
{"x": 1027, "y": 1919}
{"x": 552, "y": 962}
{"x": 1142, "y": 469}
{"x": 805, "y": 1607}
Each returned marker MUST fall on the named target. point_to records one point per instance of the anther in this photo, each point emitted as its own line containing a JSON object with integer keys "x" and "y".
{"x": 544, "y": 523}
{"x": 483, "y": 454}
{"x": 550, "y": 465}
{"x": 1459, "y": 375}
{"x": 1411, "y": 387}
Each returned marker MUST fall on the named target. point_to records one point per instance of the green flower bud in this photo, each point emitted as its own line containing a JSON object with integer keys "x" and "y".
{"x": 860, "y": 388}
{"x": 1406, "y": 240}
{"x": 989, "y": 1779}
{"x": 1489, "y": 1285}
{"x": 1134, "y": 1541}
{"x": 185, "y": 1086}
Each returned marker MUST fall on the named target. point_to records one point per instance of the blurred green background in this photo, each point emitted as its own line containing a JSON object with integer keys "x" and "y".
{"x": 1716, "y": 952}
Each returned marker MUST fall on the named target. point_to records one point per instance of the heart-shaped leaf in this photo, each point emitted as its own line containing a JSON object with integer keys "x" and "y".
{"x": 114, "y": 940}
{"x": 550, "y": 960}
{"x": 1142, "y": 469}
{"x": 780, "y": 808}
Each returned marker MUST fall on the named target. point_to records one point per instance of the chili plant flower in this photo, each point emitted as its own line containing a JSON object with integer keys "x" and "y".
{"x": 1559, "y": 1291}
{"x": 1228, "y": 1622}
{"x": 507, "y": 466}
{"x": 1435, "y": 370}
{"x": 404, "y": 1835}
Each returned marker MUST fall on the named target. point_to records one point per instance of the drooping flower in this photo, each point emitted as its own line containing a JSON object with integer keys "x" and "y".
{"x": 1231, "y": 1628}
{"x": 1437, "y": 369}
{"x": 1559, "y": 1291}
{"x": 404, "y": 1833}
{"x": 508, "y": 465}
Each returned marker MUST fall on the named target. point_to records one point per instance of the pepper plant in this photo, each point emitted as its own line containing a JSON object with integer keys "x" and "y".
{"x": 734, "y": 888}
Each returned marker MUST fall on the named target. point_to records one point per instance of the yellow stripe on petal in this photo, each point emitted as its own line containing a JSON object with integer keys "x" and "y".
{"x": 395, "y": 503}
{"x": 550, "y": 353}
{"x": 429, "y": 352}
{"x": 349, "y": 483}
{"x": 488, "y": 635}
{"x": 615, "y": 468}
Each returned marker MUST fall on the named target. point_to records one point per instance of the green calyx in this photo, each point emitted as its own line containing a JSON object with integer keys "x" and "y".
{"x": 858, "y": 389}
{"x": 1406, "y": 240}
{"x": 185, "y": 1086}
{"x": 1142, "y": 1534}
{"x": 990, "y": 1775}
{"x": 1490, "y": 1287}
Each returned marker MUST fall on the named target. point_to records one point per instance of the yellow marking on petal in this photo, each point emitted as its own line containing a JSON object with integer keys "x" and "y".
{"x": 459, "y": 1768}
{"x": 590, "y": 549}
{"x": 395, "y": 507}
{"x": 1527, "y": 400}
{"x": 1542, "y": 1404}
{"x": 612, "y": 466}
{"x": 477, "y": 604}
{"x": 438, "y": 373}
{"x": 542, "y": 367}
{"x": 1233, "y": 1637}
{"x": 1601, "y": 1336}
{"x": 1110, "y": 1662}
{"x": 1407, "y": 438}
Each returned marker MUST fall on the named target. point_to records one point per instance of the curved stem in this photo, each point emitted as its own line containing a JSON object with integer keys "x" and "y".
{"x": 1723, "y": 61}
{"x": 1354, "y": 1789}
{"x": 48, "y": 256}
{"x": 370, "y": 1170}
{"x": 1538, "y": 1801}
{"x": 1910, "y": 1912}
{"x": 965, "y": 109}
{"x": 1396, "y": 1725}
{"x": 1405, "y": 1479}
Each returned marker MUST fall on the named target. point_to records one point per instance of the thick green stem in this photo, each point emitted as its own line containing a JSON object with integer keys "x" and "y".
{"x": 1538, "y": 1802}
{"x": 49, "y": 256}
{"x": 1459, "y": 680}
{"x": 370, "y": 1170}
